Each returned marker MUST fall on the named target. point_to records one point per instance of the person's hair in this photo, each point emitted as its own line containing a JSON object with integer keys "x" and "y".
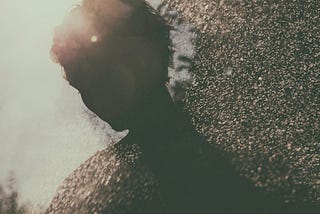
{"x": 75, "y": 44}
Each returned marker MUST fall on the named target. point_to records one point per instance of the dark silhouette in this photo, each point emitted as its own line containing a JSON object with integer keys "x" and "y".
{"x": 117, "y": 57}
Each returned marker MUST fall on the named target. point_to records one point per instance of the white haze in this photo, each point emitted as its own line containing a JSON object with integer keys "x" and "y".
{"x": 45, "y": 130}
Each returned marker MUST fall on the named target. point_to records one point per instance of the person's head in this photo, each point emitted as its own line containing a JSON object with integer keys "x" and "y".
{"x": 115, "y": 52}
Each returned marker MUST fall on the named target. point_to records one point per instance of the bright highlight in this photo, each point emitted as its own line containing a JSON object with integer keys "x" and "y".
{"x": 94, "y": 38}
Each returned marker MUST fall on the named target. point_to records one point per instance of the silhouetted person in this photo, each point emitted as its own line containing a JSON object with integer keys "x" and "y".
{"x": 116, "y": 53}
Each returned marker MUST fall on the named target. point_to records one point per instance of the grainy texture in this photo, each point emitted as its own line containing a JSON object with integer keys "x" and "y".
{"x": 113, "y": 180}
{"x": 255, "y": 93}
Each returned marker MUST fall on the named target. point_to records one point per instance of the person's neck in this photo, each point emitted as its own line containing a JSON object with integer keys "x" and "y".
{"x": 156, "y": 118}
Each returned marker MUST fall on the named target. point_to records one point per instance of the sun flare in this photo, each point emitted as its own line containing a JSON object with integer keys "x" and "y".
{"x": 94, "y": 38}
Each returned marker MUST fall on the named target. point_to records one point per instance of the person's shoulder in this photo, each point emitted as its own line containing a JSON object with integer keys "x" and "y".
{"x": 115, "y": 180}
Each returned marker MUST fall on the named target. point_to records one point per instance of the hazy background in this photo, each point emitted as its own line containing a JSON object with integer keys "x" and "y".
{"x": 45, "y": 130}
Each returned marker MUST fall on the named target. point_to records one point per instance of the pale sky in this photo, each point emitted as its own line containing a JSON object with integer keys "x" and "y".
{"x": 45, "y": 132}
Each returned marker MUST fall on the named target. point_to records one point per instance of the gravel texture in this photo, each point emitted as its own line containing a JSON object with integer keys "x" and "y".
{"x": 113, "y": 180}
{"x": 254, "y": 95}
{"x": 255, "y": 90}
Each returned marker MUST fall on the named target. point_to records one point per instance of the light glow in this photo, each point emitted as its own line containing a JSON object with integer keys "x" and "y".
{"x": 38, "y": 109}
{"x": 94, "y": 38}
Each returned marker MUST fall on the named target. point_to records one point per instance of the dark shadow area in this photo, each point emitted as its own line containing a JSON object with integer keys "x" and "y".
{"x": 118, "y": 62}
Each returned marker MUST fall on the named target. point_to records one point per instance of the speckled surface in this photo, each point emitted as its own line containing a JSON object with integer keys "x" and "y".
{"x": 113, "y": 180}
{"x": 255, "y": 93}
